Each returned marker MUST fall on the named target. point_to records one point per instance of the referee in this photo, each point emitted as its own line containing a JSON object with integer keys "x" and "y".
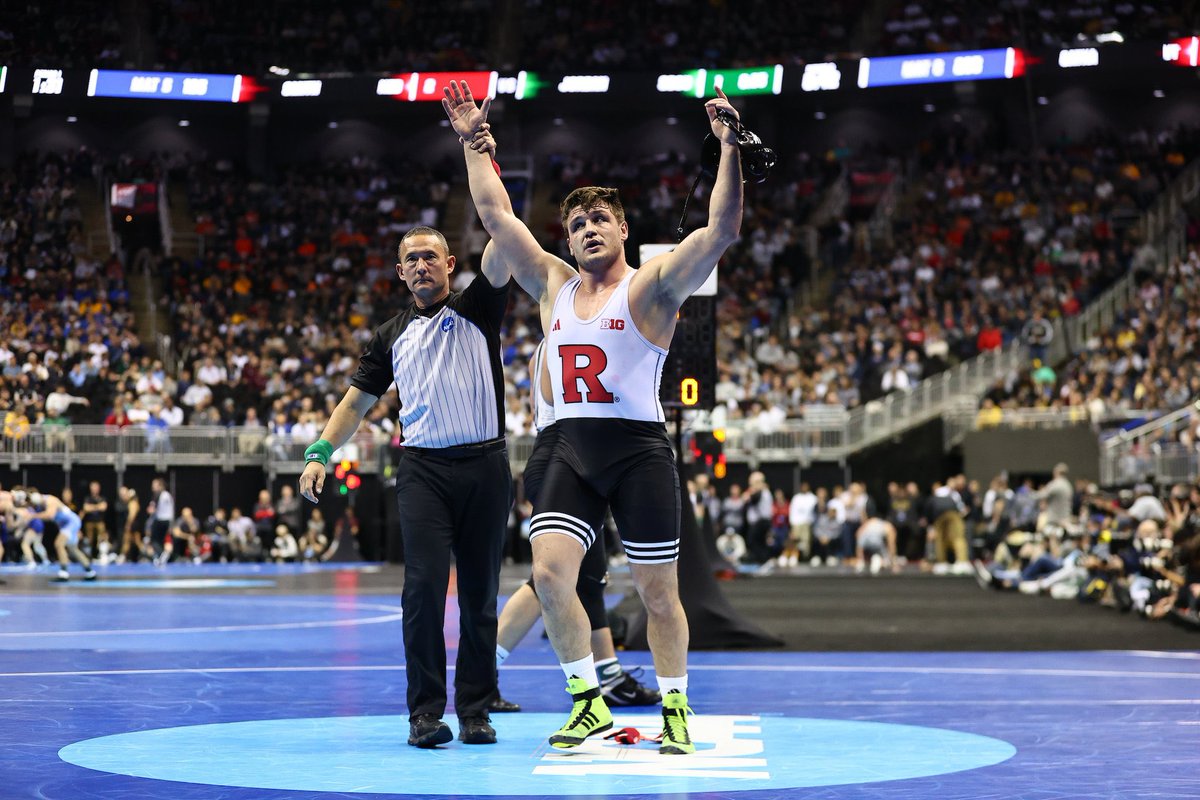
{"x": 453, "y": 484}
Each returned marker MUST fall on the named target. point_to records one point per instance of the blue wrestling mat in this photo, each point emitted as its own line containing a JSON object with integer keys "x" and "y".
{"x": 245, "y": 696}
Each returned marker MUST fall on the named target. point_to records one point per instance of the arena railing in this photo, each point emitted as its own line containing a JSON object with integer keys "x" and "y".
{"x": 964, "y": 418}
{"x": 1164, "y": 227}
{"x": 1163, "y": 465}
{"x": 1153, "y": 451}
{"x": 192, "y": 446}
{"x": 881, "y": 419}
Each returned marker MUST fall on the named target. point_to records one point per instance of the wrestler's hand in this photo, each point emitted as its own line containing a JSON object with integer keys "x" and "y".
{"x": 312, "y": 481}
{"x": 465, "y": 117}
{"x": 719, "y": 129}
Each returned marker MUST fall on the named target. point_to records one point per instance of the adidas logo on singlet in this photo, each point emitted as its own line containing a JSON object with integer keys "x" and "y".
{"x": 555, "y": 326}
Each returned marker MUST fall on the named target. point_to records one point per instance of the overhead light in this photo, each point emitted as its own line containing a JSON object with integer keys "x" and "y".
{"x": 1043, "y": 101}
{"x": 672, "y": 120}
{"x": 559, "y": 121}
{"x": 819, "y": 115}
{"x": 1111, "y": 36}
{"x": 445, "y": 123}
{"x": 72, "y": 119}
{"x": 183, "y": 123}
{"x": 929, "y": 108}
{"x": 1159, "y": 93}
{"x": 333, "y": 125}
{"x": 279, "y": 70}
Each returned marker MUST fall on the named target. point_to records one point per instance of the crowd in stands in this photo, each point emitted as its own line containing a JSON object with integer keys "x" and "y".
{"x": 372, "y": 36}
{"x": 1143, "y": 362}
{"x": 990, "y": 248}
{"x": 931, "y": 26}
{"x": 324, "y": 238}
{"x": 989, "y": 245}
{"x": 68, "y": 327}
{"x": 311, "y": 36}
{"x": 682, "y": 34}
{"x": 65, "y": 34}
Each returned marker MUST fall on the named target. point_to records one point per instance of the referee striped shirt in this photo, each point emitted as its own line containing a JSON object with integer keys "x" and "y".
{"x": 445, "y": 363}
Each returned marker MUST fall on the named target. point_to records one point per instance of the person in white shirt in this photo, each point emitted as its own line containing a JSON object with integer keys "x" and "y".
{"x": 242, "y": 537}
{"x": 802, "y": 513}
{"x": 211, "y": 372}
{"x": 161, "y": 511}
{"x": 894, "y": 378}
{"x": 1147, "y": 505}
{"x": 170, "y": 413}
{"x": 286, "y": 548}
{"x": 58, "y": 401}
{"x": 195, "y": 394}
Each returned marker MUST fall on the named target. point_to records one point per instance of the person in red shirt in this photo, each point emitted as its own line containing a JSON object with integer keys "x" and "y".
{"x": 117, "y": 417}
{"x": 990, "y": 337}
{"x": 780, "y": 524}
{"x": 264, "y": 520}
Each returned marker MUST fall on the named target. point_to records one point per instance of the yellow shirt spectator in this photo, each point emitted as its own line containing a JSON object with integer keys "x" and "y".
{"x": 990, "y": 416}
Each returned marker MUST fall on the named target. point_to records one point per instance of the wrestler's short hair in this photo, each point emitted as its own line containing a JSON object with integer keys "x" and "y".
{"x": 588, "y": 197}
{"x": 422, "y": 230}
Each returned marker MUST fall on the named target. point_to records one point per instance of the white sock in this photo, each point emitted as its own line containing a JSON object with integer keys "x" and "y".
{"x": 609, "y": 671}
{"x": 584, "y": 669}
{"x": 673, "y": 684}
{"x": 501, "y": 654}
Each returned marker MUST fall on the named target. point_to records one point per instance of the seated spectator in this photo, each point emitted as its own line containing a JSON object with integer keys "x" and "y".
{"x": 314, "y": 542}
{"x": 285, "y": 548}
{"x": 217, "y": 535}
{"x": 183, "y": 543}
{"x": 244, "y": 543}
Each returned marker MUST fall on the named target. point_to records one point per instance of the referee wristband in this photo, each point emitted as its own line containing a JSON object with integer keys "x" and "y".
{"x": 320, "y": 451}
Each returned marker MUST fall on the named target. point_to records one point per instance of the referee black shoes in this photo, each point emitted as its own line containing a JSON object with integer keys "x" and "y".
{"x": 476, "y": 730}
{"x": 499, "y": 705}
{"x": 426, "y": 730}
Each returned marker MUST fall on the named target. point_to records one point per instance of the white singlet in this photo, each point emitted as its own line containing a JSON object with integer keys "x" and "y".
{"x": 543, "y": 409}
{"x": 602, "y": 367}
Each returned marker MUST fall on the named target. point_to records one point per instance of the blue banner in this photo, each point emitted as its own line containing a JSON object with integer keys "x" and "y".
{"x": 164, "y": 85}
{"x": 963, "y": 65}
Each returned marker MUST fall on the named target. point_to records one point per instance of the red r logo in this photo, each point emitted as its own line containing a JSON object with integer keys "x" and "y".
{"x": 583, "y": 362}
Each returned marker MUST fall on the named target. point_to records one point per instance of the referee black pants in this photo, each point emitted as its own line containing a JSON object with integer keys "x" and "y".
{"x": 456, "y": 506}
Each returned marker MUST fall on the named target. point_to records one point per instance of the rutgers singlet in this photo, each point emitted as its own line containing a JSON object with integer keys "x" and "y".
{"x": 602, "y": 367}
{"x": 543, "y": 410}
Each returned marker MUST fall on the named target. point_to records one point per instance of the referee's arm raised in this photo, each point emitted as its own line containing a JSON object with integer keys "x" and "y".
{"x": 537, "y": 272}
{"x": 343, "y": 422}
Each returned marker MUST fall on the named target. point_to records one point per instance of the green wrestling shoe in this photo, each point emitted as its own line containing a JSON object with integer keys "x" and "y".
{"x": 589, "y": 716}
{"x": 675, "y": 738}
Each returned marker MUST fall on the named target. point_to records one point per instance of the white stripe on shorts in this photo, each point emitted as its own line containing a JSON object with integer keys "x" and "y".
{"x": 655, "y": 553}
{"x": 557, "y": 522}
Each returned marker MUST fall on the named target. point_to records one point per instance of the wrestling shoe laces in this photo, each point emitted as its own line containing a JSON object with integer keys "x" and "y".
{"x": 589, "y": 716}
{"x": 675, "y": 738}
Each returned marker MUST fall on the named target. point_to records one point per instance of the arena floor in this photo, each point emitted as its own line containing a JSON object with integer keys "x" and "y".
{"x": 244, "y": 681}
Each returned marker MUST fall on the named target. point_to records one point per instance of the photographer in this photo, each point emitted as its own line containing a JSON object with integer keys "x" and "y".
{"x": 1148, "y": 561}
{"x": 1184, "y": 605}
{"x": 1146, "y": 505}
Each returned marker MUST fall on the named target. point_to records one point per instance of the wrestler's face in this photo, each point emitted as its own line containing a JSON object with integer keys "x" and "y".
{"x": 425, "y": 267}
{"x": 596, "y": 237}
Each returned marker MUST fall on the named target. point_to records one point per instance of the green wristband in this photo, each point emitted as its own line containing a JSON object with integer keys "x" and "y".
{"x": 320, "y": 450}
